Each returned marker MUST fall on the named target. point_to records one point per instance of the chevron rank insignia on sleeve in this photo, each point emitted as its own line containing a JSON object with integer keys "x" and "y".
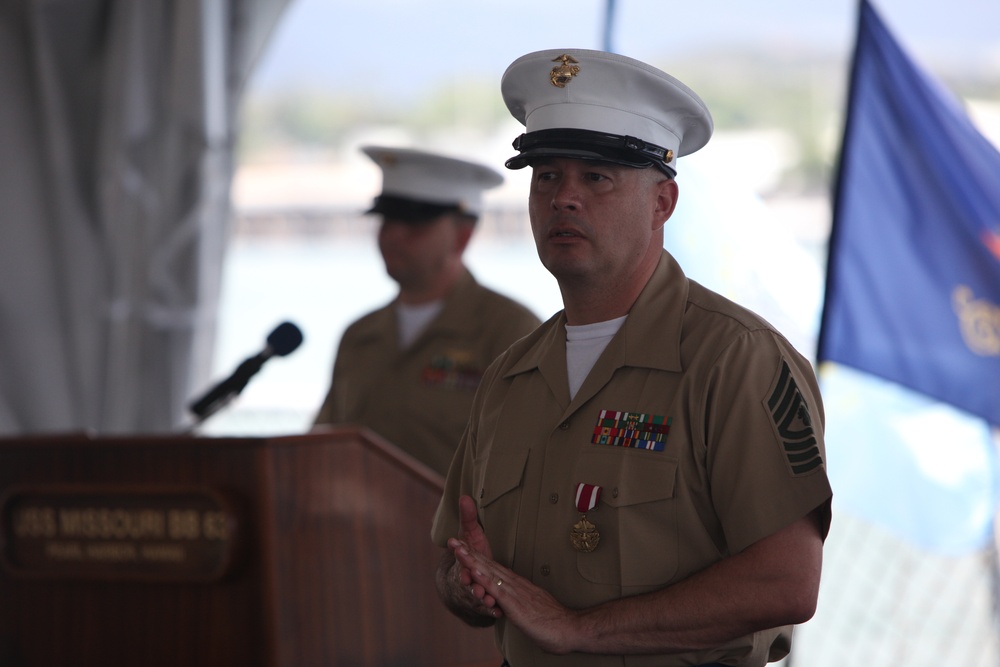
{"x": 790, "y": 413}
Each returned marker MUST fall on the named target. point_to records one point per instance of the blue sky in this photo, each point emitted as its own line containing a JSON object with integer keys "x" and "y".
{"x": 407, "y": 45}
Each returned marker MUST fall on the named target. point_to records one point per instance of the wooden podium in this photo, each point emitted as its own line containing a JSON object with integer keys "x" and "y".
{"x": 293, "y": 551}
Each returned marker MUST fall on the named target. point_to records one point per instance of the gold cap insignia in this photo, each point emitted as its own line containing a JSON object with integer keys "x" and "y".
{"x": 564, "y": 73}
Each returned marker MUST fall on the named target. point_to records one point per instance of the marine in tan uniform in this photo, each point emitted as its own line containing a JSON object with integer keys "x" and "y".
{"x": 409, "y": 370}
{"x": 643, "y": 478}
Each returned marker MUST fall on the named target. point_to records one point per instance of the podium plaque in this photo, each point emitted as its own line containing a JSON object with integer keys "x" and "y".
{"x": 279, "y": 552}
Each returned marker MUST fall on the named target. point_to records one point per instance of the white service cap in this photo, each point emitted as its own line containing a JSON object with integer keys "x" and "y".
{"x": 595, "y": 105}
{"x": 417, "y": 185}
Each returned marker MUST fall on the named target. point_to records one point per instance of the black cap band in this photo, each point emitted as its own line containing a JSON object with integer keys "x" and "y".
{"x": 590, "y": 145}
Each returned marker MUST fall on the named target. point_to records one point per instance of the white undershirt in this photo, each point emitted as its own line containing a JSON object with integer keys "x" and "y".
{"x": 414, "y": 319}
{"x": 584, "y": 344}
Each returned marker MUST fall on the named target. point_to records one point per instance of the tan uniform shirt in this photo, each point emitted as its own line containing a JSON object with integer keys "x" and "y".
{"x": 701, "y": 424}
{"x": 419, "y": 398}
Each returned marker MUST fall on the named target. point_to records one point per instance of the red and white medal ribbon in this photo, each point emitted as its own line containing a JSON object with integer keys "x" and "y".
{"x": 587, "y": 497}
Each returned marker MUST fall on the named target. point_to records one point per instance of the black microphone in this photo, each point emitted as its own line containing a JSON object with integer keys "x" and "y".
{"x": 285, "y": 338}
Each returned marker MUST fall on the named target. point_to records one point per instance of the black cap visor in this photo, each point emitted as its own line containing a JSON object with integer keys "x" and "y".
{"x": 589, "y": 145}
{"x": 410, "y": 210}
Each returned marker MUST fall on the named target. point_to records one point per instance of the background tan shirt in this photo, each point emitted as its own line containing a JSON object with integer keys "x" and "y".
{"x": 419, "y": 398}
{"x": 741, "y": 456}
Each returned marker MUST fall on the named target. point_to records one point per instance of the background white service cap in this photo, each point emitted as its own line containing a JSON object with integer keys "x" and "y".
{"x": 602, "y": 106}
{"x": 417, "y": 185}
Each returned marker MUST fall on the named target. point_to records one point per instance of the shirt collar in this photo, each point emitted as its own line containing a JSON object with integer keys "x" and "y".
{"x": 650, "y": 337}
{"x": 454, "y": 315}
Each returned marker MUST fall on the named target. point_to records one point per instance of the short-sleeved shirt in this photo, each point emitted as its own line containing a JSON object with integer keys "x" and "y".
{"x": 419, "y": 398}
{"x": 700, "y": 423}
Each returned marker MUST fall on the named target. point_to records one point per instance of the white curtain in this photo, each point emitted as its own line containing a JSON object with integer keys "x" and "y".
{"x": 117, "y": 127}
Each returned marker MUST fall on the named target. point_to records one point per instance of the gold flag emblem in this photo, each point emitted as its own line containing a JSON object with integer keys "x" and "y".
{"x": 979, "y": 321}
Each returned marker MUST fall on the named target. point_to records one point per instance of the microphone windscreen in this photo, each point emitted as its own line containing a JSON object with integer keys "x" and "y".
{"x": 284, "y": 339}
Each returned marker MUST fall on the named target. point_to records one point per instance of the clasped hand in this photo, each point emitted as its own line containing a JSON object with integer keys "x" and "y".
{"x": 501, "y": 592}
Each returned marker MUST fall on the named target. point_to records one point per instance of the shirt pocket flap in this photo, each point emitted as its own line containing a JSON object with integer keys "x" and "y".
{"x": 642, "y": 481}
{"x": 506, "y": 472}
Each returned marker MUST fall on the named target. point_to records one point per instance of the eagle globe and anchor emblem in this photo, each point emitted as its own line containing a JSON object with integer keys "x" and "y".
{"x": 564, "y": 73}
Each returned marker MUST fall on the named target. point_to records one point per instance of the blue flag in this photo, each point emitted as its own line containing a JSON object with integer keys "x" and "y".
{"x": 913, "y": 279}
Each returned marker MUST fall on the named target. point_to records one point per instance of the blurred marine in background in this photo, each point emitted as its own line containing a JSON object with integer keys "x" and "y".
{"x": 408, "y": 371}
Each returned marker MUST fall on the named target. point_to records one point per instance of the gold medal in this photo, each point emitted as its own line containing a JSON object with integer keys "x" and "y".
{"x": 584, "y": 537}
